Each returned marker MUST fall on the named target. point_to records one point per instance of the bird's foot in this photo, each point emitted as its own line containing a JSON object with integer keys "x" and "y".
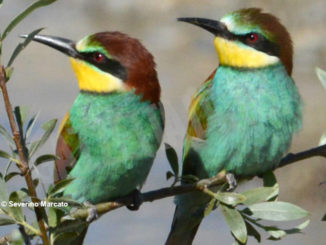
{"x": 137, "y": 200}
{"x": 230, "y": 178}
{"x": 92, "y": 212}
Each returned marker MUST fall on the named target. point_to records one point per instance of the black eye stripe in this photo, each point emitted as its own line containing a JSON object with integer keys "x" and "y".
{"x": 111, "y": 66}
{"x": 262, "y": 44}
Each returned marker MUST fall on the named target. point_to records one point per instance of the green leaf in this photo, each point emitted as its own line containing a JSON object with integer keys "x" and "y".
{"x": 253, "y": 232}
{"x": 45, "y": 158}
{"x": 172, "y": 158}
{"x": 322, "y": 76}
{"x": 54, "y": 216}
{"x": 169, "y": 174}
{"x": 23, "y": 194}
{"x": 303, "y": 225}
{"x": 236, "y": 223}
{"x": 64, "y": 199}
{"x": 71, "y": 202}
{"x": 4, "y": 154}
{"x": 8, "y": 71}
{"x": 324, "y": 218}
{"x": 36, "y": 182}
{"x": 7, "y": 135}
{"x": 269, "y": 179}
{"x": 25, "y": 190}
{"x": 50, "y": 189}
{"x": 277, "y": 233}
{"x": 4, "y": 194}
{"x": 322, "y": 140}
{"x": 6, "y": 221}
{"x": 30, "y": 125}
{"x": 210, "y": 207}
{"x": 22, "y": 45}
{"x": 17, "y": 238}
{"x": 48, "y": 128}
{"x": 21, "y": 113}
{"x": 24, "y": 14}
{"x": 277, "y": 211}
{"x": 16, "y": 212}
{"x": 260, "y": 194}
{"x": 59, "y": 187}
{"x": 8, "y": 167}
{"x": 65, "y": 238}
{"x": 10, "y": 175}
{"x": 230, "y": 198}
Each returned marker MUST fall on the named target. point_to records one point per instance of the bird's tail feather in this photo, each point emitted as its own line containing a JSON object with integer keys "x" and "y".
{"x": 188, "y": 215}
{"x": 181, "y": 234}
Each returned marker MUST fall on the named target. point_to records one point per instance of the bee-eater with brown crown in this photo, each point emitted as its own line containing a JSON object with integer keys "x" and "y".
{"x": 244, "y": 115}
{"x": 111, "y": 134}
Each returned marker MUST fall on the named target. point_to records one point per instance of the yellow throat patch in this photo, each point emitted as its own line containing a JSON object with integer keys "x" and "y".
{"x": 232, "y": 54}
{"x": 93, "y": 80}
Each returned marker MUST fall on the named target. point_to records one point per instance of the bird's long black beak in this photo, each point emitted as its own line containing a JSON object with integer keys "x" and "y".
{"x": 213, "y": 26}
{"x": 64, "y": 45}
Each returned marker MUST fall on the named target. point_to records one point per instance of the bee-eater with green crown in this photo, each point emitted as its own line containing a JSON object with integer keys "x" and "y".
{"x": 244, "y": 115}
{"x": 111, "y": 134}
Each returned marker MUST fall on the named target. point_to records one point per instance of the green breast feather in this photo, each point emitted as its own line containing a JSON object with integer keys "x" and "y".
{"x": 255, "y": 114}
{"x": 118, "y": 136}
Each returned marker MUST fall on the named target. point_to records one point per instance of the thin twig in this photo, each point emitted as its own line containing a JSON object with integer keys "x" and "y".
{"x": 201, "y": 185}
{"x": 314, "y": 152}
{"x": 23, "y": 164}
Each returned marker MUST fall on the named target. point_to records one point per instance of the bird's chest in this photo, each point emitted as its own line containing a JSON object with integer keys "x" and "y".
{"x": 255, "y": 116}
{"x": 109, "y": 127}
{"x": 248, "y": 98}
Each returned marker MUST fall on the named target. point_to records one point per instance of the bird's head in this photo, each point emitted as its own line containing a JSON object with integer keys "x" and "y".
{"x": 249, "y": 38}
{"x": 109, "y": 62}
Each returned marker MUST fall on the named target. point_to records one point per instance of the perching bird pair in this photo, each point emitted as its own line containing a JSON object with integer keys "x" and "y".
{"x": 241, "y": 119}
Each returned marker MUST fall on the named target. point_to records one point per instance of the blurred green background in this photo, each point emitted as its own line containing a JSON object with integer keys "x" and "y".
{"x": 185, "y": 56}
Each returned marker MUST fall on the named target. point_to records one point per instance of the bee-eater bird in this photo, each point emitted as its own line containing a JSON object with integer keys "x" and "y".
{"x": 111, "y": 134}
{"x": 244, "y": 115}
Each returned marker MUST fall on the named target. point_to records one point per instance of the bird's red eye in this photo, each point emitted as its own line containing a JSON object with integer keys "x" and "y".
{"x": 253, "y": 37}
{"x": 98, "y": 57}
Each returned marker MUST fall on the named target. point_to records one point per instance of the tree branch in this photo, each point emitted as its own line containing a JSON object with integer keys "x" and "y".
{"x": 151, "y": 196}
{"x": 23, "y": 164}
{"x": 313, "y": 152}
{"x": 201, "y": 185}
